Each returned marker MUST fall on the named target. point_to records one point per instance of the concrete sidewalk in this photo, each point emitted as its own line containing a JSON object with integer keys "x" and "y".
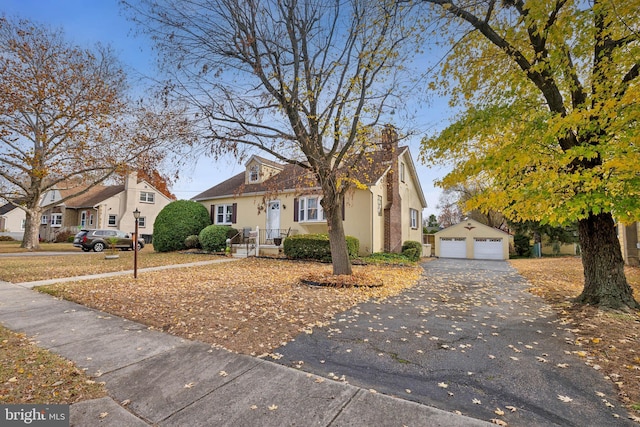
{"x": 168, "y": 381}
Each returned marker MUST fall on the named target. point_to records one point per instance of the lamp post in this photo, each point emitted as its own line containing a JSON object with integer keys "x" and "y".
{"x": 136, "y": 215}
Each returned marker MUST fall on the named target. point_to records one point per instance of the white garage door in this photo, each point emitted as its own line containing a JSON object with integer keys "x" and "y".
{"x": 487, "y": 248}
{"x": 453, "y": 247}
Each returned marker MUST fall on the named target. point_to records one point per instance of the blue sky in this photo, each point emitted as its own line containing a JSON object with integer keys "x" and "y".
{"x": 86, "y": 22}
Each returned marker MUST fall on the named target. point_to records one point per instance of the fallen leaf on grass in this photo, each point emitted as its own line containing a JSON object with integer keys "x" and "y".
{"x": 499, "y": 411}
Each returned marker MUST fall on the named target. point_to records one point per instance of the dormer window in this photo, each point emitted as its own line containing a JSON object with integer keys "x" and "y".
{"x": 254, "y": 173}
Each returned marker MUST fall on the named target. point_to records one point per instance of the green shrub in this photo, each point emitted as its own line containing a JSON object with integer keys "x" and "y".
{"x": 192, "y": 242}
{"x": 7, "y": 239}
{"x": 522, "y": 245}
{"x": 214, "y": 238}
{"x": 64, "y": 236}
{"x": 387, "y": 258}
{"x": 175, "y": 222}
{"x": 412, "y": 250}
{"x": 316, "y": 246}
{"x": 231, "y": 233}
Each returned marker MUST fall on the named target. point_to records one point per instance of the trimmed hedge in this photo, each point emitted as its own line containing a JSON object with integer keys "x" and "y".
{"x": 214, "y": 238}
{"x": 177, "y": 221}
{"x": 316, "y": 246}
{"x": 412, "y": 250}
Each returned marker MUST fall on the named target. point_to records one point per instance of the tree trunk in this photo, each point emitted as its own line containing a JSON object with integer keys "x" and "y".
{"x": 605, "y": 284}
{"x": 332, "y": 205}
{"x": 31, "y": 239}
{"x": 339, "y": 253}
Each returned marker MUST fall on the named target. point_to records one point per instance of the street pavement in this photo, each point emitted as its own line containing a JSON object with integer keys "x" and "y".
{"x": 469, "y": 339}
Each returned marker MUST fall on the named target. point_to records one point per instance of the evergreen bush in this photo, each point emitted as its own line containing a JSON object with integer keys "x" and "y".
{"x": 316, "y": 246}
{"x": 522, "y": 245}
{"x": 214, "y": 238}
{"x": 177, "y": 221}
{"x": 412, "y": 250}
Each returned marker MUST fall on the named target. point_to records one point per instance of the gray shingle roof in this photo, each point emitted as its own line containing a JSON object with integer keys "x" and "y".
{"x": 294, "y": 177}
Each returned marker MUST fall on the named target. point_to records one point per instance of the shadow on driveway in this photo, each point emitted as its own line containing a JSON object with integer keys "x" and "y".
{"x": 467, "y": 338}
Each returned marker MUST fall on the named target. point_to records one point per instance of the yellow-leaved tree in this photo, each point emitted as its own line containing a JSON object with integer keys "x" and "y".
{"x": 549, "y": 96}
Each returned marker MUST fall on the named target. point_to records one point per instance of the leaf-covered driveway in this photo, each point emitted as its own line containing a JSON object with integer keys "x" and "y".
{"x": 468, "y": 338}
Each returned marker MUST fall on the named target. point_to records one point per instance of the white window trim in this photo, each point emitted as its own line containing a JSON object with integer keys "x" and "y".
{"x": 91, "y": 219}
{"x": 227, "y": 214}
{"x": 254, "y": 170}
{"x": 413, "y": 218}
{"x": 44, "y": 220}
{"x": 83, "y": 219}
{"x": 144, "y": 197}
{"x": 142, "y": 222}
{"x": 115, "y": 220}
{"x": 303, "y": 209}
{"x": 56, "y": 220}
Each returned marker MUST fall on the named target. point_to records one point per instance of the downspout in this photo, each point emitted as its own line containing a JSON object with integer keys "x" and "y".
{"x": 373, "y": 211}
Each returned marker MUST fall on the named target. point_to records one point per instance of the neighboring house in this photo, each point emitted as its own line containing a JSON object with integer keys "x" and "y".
{"x": 12, "y": 221}
{"x": 629, "y": 236}
{"x": 281, "y": 199}
{"x": 472, "y": 240}
{"x": 102, "y": 207}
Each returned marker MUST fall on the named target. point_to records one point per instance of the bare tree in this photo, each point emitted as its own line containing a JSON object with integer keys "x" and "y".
{"x": 65, "y": 118}
{"x": 300, "y": 80}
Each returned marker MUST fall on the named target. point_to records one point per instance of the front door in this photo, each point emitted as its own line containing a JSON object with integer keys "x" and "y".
{"x": 273, "y": 219}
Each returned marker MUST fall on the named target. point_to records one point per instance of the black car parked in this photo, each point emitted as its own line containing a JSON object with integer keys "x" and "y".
{"x": 99, "y": 240}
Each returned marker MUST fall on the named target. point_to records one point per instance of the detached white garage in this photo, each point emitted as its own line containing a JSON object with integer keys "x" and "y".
{"x": 472, "y": 240}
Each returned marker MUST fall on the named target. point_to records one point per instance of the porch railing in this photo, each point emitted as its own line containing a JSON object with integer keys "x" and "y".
{"x": 267, "y": 235}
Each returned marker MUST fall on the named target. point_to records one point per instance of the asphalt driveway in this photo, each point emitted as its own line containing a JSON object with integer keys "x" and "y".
{"x": 468, "y": 338}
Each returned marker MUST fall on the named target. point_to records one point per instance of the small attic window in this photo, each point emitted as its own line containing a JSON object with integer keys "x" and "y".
{"x": 253, "y": 173}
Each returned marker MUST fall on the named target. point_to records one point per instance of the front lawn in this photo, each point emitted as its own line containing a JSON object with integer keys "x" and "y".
{"x": 610, "y": 340}
{"x": 29, "y": 374}
{"x": 27, "y": 269}
{"x": 250, "y": 306}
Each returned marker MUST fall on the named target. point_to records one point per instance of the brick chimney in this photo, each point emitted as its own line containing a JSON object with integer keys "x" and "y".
{"x": 393, "y": 208}
{"x": 389, "y": 143}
